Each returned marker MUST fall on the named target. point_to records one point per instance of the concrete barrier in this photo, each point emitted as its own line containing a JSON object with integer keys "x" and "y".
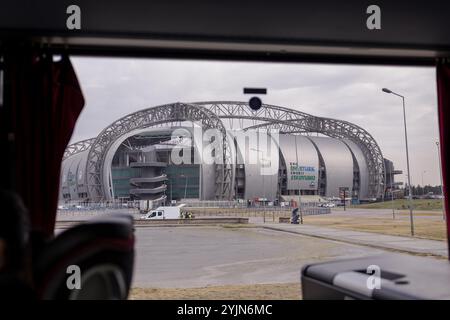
{"x": 170, "y": 222}
{"x": 284, "y": 220}
{"x": 225, "y": 220}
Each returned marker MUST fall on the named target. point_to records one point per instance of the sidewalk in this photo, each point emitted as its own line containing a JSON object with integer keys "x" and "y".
{"x": 376, "y": 240}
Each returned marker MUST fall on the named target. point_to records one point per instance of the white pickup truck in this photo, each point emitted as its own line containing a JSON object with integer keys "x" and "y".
{"x": 164, "y": 213}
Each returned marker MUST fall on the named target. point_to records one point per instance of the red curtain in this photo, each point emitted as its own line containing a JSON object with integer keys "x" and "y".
{"x": 46, "y": 100}
{"x": 443, "y": 89}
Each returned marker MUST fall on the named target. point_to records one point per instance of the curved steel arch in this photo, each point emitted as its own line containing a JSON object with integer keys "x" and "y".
{"x": 209, "y": 113}
{"x": 149, "y": 117}
{"x": 292, "y": 121}
{"x": 77, "y": 147}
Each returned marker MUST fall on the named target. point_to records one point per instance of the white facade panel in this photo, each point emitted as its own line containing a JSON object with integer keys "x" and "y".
{"x": 261, "y": 166}
{"x": 302, "y": 162}
{"x": 338, "y": 162}
{"x": 363, "y": 169}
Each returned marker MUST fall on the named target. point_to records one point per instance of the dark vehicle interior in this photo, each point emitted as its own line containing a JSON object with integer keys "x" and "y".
{"x": 41, "y": 100}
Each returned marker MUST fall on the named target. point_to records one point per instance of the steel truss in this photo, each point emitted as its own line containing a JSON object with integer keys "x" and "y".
{"x": 210, "y": 114}
{"x": 77, "y": 147}
{"x": 173, "y": 112}
{"x": 292, "y": 121}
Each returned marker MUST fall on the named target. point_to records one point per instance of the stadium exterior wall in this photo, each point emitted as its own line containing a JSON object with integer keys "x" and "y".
{"x": 300, "y": 153}
{"x": 305, "y": 163}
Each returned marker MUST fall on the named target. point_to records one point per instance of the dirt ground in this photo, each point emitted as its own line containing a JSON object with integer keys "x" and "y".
{"x": 428, "y": 224}
{"x": 283, "y": 291}
{"x": 399, "y": 204}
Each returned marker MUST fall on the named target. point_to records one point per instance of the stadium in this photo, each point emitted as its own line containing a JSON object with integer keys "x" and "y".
{"x": 132, "y": 159}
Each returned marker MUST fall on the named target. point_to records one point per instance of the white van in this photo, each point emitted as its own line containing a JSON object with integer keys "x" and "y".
{"x": 164, "y": 213}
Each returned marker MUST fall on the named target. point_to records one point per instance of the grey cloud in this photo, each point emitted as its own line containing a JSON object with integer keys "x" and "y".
{"x": 116, "y": 87}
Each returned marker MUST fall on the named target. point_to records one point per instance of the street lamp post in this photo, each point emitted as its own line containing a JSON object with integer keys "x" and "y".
{"x": 440, "y": 172}
{"x": 423, "y": 185}
{"x": 299, "y": 204}
{"x": 407, "y": 159}
{"x": 170, "y": 183}
{"x": 185, "y": 185}
{"x": 392, "y": 195}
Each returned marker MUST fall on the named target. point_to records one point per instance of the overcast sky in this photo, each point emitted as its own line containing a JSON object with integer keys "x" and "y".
{"x": 116, "y": 87}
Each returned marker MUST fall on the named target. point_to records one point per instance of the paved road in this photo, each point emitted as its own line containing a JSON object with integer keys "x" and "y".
{"x": 200, "y": 256}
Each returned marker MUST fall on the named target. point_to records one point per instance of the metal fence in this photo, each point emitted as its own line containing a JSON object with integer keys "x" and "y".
{"x": 204, "y": 208}
{"x": 212, "y": 204}
{"x": 267, "y": 212}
